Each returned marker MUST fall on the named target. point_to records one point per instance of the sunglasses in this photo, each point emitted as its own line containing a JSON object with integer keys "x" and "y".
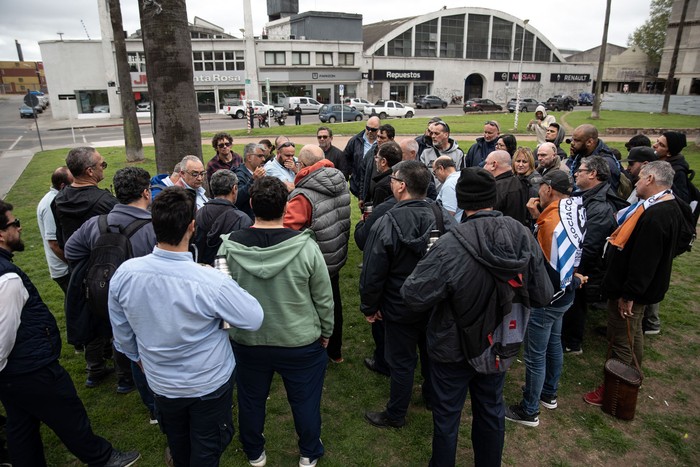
{"x": 14, "y": 223}
{"x": 223, "y": 145}
{"x": 288, "y": 144}
{"x": 373, "y": 130}
{"x": 103, "y": 165}
{"x": 493, "y": 123}
{"x": 323, "y": 137}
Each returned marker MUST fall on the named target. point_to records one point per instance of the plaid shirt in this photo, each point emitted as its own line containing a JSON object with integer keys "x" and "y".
{"x": 217, "y": 164}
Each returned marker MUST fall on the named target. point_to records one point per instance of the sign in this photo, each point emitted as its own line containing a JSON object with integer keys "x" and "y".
{"x": 267, "y": 85}
{"x": 569, "y": 78}
{"x": 527, "y": 77}
{"x": 67, "y": 97}
{"x": 341, "y": 90}
{"x": 31, "y": 100}
{"x": 247, "y": 81}
{"x": 205, "y": 77}
{"x": 400, "y": 75}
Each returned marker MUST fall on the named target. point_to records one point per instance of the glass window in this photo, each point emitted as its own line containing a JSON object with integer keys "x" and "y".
{"x": 501, "y": 37}
{"x": 426, "y": 39}
{"x": 401, "y": 45}
{"x": 542, "y": 52}
{"x": 452, "y": 36}
{"x": 274, "y": 58}
{"x": 527, "y": 54}
{"x": 420, "y": 89}
{"x": 346, "y": 59}
{"x": 88, "y": 100}
{"x": 478, "y": 36}
{"x": 300, "y": 58}
{"x": 324, "y": 58}
{"x": 219, "y": 61}
{"x": 399, "y": 92}
{"x": 137, "y": 62}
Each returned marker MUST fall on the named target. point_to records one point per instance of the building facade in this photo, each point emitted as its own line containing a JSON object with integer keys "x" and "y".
{"x": 20, "y": 77}
{"x": 687, "y": 74}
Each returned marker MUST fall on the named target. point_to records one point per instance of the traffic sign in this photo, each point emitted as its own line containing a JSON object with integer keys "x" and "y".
{"x": 341, "y": 89}
{"x": 31, "y": 100}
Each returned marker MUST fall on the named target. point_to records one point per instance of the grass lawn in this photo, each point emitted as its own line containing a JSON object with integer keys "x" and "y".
{"x": 666, "y": 428}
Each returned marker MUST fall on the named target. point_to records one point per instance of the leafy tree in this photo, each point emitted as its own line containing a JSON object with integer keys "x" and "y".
{"x": 651, "y": 36}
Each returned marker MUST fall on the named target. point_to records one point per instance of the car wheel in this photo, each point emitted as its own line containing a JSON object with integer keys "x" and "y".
{"x": 511, "y": 111}
{"x": 331, "y": 119}
{"x": 480, "y": 110}
{"x": 570, "y": 108}
{"x": 382, "y": 116}
{"x": 427, "y": 105}
{"x": 240, "y": 114}
{"x": 409, "y": 114}
{"x": 444, "y": 105}
{"x": 525, "y": 109}
{"x": 358, "y": 118}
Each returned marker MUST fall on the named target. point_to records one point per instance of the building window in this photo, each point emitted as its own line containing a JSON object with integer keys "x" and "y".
{"x": 88, "y": 100}
{"x": 501, "y": 37}
{"x": 218, "y": 61}
{"x": 426, "y": 39}
{"x": 137, "y": 62}
{"x": 275, "y": 58}
{"x": 398, "y": 92}
{"x": 401, "y": 45}
{"x": 478, "y": 37}
{"x": 452, "y": 36}
{"x": 21, "y": 80}
{"x": 527, "y": 55}
{"x": 324, "y": 58}
{"x": 542, "y": 52}
{"x": 300, "y": 58}
{"x": 346, "y": 59}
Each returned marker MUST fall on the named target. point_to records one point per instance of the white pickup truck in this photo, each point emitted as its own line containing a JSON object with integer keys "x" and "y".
{"x": 385, "y": 109}
{"x": 236, "y": 108}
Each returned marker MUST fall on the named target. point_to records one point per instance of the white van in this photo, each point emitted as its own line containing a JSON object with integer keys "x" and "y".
{"x": 307, "y": 104}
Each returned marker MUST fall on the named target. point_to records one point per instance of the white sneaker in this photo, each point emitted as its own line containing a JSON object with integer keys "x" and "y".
{"x": 306, "y": 462}
{"x": 260, "y": 461}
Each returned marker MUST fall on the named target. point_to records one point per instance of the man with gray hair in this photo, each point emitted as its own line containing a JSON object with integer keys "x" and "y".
{"x": 251, "y": 170}
{"x": 513, "y": 192}
{"x": 219, "y": 215}
{"x": 640, "y": 256}
{"x": 192, "y": 175}
{"x": 409, "y": 149}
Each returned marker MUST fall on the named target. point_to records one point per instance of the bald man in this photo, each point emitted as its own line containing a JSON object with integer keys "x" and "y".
{"x": 320, "y": 201}
{"x": 512, "y": 191}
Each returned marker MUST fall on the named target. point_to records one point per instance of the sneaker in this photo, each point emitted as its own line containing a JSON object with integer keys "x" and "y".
{"x": 515, "y": 413}
{"x": 125, "y": 386}
{"x": 153, "y": 420}
{"x": 652, "y": 332}
{"x": 260, "y": 461}
{"x": 595, "y": 397}
{"x": 307, "y": 462}
{"x": 548, "y": 402}
{"x": 337, "y": 360}
{"x": 573, "y": 350}
{"x": 95, "y": 379}
{"x": 122, "y": 459}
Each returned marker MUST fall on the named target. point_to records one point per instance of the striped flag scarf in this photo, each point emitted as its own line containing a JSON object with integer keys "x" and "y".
{"x": 627, "y": 218}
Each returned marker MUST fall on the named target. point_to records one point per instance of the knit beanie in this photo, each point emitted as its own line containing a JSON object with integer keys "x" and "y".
{"x": 476, "y": 189}
{"x": 676, "y": 142}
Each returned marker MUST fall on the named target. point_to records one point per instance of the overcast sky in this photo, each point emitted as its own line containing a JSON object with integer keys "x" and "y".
{"x": 567, "y": 24}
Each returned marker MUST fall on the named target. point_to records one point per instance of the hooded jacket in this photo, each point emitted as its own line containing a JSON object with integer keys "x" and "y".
{"x": 557, "y": 142}
{"x": 291, "y": 282}
{"x": 216, "y": 218}
{"x": 540, "y": 126}
{"x": 605, "y": 152}
{"x": 680, "y": 179}
{"x": 431, "y": 153}
{"x": 478, "y": 152}
{"x": 450, "y": 278}
{"x": 354, "y": 156}
{"x": 72, "y": 206}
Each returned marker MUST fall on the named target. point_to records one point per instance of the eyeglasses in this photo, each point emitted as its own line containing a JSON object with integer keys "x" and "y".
{"x": 400, "y": 180}
{"x": 223, "y": 145}
{"x": 581, "y": 170}
{"x": 492, "y": 123}
{"x": 261, "y": 156}
{"x": 103, "y": 165}
{"x": 288, "y": 144}
{"x": 373, "y": 130}
{"x": 14, "y": 223}
{"x": 322, "y": 136}
{"x": 196, "y": 174}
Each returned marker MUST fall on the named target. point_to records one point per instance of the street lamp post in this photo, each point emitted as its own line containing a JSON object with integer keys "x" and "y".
{"x": 520, "y": 76}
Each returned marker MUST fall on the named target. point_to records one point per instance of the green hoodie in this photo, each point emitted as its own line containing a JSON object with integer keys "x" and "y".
{"x": 291, "y": 282}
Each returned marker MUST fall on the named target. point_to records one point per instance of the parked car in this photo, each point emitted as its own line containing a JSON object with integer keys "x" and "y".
{"x": 585, "y": 98}
{"x": 526, "y": 105}
{"x": 558, "y": 103}
{"x": 386, "y": 109}
{"x": 306, "y": 104}
{"x": 331, "y": 113}
{"x": 357, "y": 103}
{"x": 427, "y": 102}
{"x": 26, "y": 112}
{"x": 100, "y": 109}
{"x": 143, "y": 107}
{"x": 481, "y": 105}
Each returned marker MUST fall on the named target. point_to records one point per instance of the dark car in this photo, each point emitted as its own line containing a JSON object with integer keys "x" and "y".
{"x": 526, "y": 105}
{"x": 427, "y": 102}
{"x": 331, "y": 113}
{"x": 481, "y": 105}
{"x": 26, "y": 112}
{"x": 558, "y": 103}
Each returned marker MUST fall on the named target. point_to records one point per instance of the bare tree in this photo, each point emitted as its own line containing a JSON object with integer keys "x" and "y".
{"x": 132, "y": 132}
{"x": 168, "y": 50}
{"x": 595, "y": 113}
{"x": 670, "y": 80}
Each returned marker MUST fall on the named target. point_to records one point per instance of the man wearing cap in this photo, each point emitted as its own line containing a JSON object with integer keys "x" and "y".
{"x": 637, "y": 158}
{"x": 484, "y": 146}
{"x": 560, "y": 228}
{"x": 668, "y": 147}
{"x": 483, "y": 251}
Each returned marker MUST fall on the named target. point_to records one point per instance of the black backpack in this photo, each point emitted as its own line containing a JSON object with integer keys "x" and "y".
{"x": 109, "y": 251}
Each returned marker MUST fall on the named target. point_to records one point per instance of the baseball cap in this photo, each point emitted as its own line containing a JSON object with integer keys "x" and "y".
{"x": 558, "y": 180}
{"x": 641, "y": 154}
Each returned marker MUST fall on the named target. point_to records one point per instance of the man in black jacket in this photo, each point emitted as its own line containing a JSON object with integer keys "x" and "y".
{"x": 458, "y": 275}
{"x": 251, "y": 169}
{"x": 484, "y": 146}
{"x": 513, "y": 193}
{"x": 396, "y": 243}
{"x": 585, "y": 143}
{"x": 355, "y": 152}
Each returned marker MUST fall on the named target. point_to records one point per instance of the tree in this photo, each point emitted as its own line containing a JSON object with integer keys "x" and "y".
{"x": 595, "y": 112}
{"x": 651, "y": 35}
{"x": 132, "y": 132}
{"x": 168, "y": 50}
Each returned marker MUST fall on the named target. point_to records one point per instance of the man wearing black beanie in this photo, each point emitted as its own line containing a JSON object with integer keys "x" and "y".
{"x": 668, "y": 147}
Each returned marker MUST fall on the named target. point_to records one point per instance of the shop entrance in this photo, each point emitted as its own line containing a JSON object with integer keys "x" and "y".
{"x": 206, "y": 104}
{"x": 473, "y": 87}
{"x": 323, "y": 95}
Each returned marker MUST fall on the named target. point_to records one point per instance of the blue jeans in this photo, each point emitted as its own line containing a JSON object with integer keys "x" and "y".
{"x": 198, "y": 428}
{"x": 543, "y": 352}
{"x": 303, "y": 370}
{"x": 451, "y": 381}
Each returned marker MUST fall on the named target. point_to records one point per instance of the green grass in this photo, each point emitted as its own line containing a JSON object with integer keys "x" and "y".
{"x": 666, "y": 427}
{"x": 613, "y": 118}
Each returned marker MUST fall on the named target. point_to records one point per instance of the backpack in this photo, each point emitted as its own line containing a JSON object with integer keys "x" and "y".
{"x": 109, "y": 251}
{"x": 689, "y": 221}
{"x": 624, "y": 188}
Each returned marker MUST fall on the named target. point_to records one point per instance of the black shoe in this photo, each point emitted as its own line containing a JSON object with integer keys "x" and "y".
{"x": 122, "y": 459}
{"x": 515, "y": 413}
{"x": 371, "y": 364}
{"x": 380, "y": 420}
{"x": 125, "y": 386}
{"x": 95, "y": 379}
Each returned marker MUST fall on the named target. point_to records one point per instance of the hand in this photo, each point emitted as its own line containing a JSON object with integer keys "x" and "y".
{"x": 624, "y": 307}
{"x": 533, "y": 206}
{"x": 259, "y": 173}
{"x": 582, "y": 278}
{"x": 324, "y": 341}
{"x": 140, "y": 366}
{"x": 375, "y": 317}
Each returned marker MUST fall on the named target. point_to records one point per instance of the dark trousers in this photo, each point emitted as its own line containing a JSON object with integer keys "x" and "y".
{"x": 297, "y": 119}
{"x": 335, "y": 343}
{"x": 198, "y": 428}
{"x": 574, "y": 323}
{"x": 48, "y": 395}
{"x": 142, "y": 387}
{"x": 451, "y": 381}
{"x": 402, "y": 342}
{"x": 98, "y": 351}
{"x": 63, "y": 282}
{"x": 303, "y": 370}
{"x": 378, "y": 335}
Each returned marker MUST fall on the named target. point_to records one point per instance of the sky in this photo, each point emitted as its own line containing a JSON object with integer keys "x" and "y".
{"x": 567, "y": 24}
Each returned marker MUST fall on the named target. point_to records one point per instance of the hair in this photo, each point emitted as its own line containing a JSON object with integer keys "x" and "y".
{"x": 129, "y": 184}
{"x": 661, "y": 170}
{"x": 434, "y": 120}
{"x": 416, "y": 176}
{"x": 445, "y": 126}
{"x": 411, "y": 144}
{"x": 616, "y": 152}
{"x": 218, "y": 137}
{"x": 222, "y": 182}
{"x": 186, "y": 159}
{"x": 527, "y": 152}
{"x": 389, "y": 130}
{"x": 5, "y": 207}
{"x": 321, "y": 128}
{"x": 600, "y": 166}
{"x": 555, "y": 125}
{"x": 493, "y": 123}
{"x": 250, "y": 149}
{"x": 309, "y": 155}
{"x": 638, "y": 140}
{"x": 268, "y": 198}
{"x": 60, "y": 176}
{"x": 391, "y": 151}
{"x": 444, "y": 162}
{"x": 266, "y": 142}
{"x": 176, "y": 169}
{"x": 172, "y": 212}
{"x": 510, "y": 142}
{"x": 79, "y": 159}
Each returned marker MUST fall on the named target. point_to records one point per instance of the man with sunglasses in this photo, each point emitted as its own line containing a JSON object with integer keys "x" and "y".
{"x": 192, "y": 177}
{"x": 225, "y": 158}
{"x": 330, "y": 152}
{"x": 355, "y": 151}
{"x": 284, "y": 165}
